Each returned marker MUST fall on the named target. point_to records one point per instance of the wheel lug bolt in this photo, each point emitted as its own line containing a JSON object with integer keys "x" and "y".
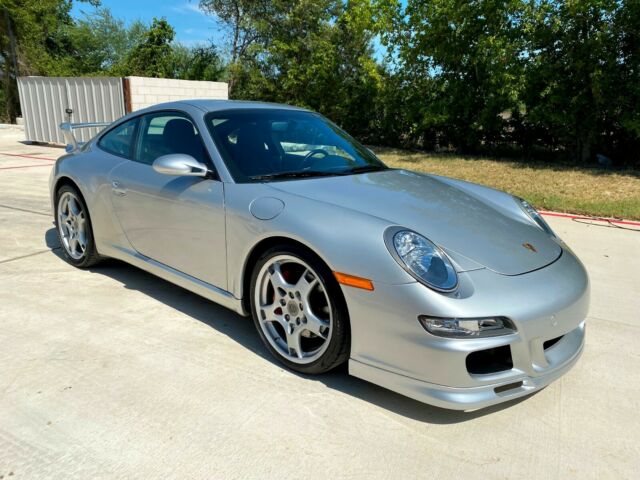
{"x": 286, "y": 317}
{"x": 298, "y": 294}
{"x": 291, "y": 294}
{"x": 282, "y": 302}
{"x": 297, "y": 321}
{"x": 301, "y": 307}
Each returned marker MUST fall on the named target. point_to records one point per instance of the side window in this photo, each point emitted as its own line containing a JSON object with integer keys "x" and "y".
{"x": 163, "y": 134}
{"x": 118, "y": 141}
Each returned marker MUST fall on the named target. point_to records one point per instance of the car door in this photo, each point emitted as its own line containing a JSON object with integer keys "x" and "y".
{"x": 175, "y": 220}
{"x": 113, "y": 147}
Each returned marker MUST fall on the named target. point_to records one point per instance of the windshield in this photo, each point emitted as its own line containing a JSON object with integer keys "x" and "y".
{"x": 276, "y": 144}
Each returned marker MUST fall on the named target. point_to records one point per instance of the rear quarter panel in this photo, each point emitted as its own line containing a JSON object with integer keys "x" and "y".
{"x": 89, "y": 171}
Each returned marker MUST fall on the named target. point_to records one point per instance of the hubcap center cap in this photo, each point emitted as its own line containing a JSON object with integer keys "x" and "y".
{"x": 293, "y": 308}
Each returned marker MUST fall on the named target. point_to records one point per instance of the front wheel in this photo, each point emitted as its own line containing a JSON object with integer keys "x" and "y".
{"x": 299, "y": 310}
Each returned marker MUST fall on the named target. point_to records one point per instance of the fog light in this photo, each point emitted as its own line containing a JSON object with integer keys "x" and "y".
{"x": 467, "y": 327}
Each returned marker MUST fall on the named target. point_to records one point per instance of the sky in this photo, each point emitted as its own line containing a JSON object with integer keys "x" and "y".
{"x": 191, "y": 25}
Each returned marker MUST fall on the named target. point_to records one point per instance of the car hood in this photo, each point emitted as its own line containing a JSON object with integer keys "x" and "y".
{"x": 447, "y": 215}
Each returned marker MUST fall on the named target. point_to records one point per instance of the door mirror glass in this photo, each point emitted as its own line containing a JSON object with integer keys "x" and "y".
{"x": 180, "y": 164}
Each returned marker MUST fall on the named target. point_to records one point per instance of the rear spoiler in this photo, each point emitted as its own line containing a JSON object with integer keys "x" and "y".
{"x": 70, "y": 139}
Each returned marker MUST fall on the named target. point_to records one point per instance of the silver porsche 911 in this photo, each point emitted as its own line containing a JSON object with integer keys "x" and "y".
{"x": 448, "y": 292}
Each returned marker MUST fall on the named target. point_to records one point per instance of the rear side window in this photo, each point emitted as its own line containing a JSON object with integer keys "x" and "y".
{"x": 166, "y": 133}
{"x": 119, "y": 140}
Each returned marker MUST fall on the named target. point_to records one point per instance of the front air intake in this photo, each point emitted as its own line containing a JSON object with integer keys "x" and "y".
{"x": 492, "y": 360}
{"x": 550, "y": 343}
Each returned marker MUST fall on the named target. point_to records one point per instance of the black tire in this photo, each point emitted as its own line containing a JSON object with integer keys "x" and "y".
{"x": 90, "y": 256}
{"x": 337, "y": 351}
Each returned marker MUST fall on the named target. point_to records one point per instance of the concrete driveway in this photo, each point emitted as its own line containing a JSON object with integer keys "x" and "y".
{"x": 114, "y": 373}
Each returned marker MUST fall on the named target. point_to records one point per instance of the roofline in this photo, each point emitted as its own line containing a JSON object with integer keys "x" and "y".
{"x": 222, "y": 105}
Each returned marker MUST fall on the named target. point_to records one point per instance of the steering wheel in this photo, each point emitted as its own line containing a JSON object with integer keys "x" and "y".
{"x": 307, "y": 161}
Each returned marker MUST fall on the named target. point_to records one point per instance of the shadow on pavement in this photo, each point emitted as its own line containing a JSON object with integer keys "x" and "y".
{"x": 242, "y": 330}
{"x": 51, "y": 240}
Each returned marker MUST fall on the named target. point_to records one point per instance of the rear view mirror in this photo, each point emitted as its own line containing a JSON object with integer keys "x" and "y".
{"x": 180, "y": 164}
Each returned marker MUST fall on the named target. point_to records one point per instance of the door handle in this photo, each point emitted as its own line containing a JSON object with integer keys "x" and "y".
{"x": 118, "y": 189}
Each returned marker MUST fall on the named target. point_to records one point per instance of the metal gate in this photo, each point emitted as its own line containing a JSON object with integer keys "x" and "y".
{"x": 48, "y": 101}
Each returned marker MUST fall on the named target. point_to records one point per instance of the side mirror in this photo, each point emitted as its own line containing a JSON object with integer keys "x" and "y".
{"x": 180, "y": 165}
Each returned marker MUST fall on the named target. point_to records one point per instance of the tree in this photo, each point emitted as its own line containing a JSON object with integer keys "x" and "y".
{"x": 153, "y": 56}
{"x": 573, "y": 57}
{"x": 298, "y": 54}
{"x": 467, "y": 55}
{"x": 101, "y": 43}
{"x": 557, "y": 76}
{"x": 244, "y": 19}
{"x": 202, "y": 62}
{"x": 33, "y": 40}
{"x": 355, "y": 77}
{"x": 560, "y": 77}
{"x": 313, "y": 53}
{"x": 623, "y": 86}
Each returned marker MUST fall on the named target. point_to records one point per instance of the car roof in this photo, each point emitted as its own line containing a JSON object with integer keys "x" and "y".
{"x": 209, "y": 105}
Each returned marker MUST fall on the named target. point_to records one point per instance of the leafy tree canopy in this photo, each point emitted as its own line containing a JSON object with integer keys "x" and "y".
{"x": 152, "y": 56}
{"x": 559, "y": 78}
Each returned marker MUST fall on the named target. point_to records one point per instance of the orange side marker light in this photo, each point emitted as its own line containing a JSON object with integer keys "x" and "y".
{"x": 353, "y": 281}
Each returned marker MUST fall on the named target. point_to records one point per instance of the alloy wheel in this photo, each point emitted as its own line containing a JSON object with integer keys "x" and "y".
{"x": 293, "y": 308}
{"x": 72, "y": 225}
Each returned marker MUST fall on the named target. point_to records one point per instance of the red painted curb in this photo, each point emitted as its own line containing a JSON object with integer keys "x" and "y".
{"x": 592, "y": 219}
{"x": 28, "y": 156}
{"x": 25, "y": 166}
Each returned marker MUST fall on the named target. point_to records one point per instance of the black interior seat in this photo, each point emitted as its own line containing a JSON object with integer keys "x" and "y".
{"x": 179, "y": 136}
{"x": 251, "y": 153}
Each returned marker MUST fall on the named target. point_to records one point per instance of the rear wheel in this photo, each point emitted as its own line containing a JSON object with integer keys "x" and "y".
{"x": 299, "y": 310}
{"x": 73, "y": 226}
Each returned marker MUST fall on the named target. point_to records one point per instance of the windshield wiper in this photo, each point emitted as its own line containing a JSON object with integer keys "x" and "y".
{"x": 317, "y": 173}
{"x": 364, "y": 169}
{"x": 298, "y": 174}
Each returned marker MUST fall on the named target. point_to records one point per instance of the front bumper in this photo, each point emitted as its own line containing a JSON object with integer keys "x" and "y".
{"x": 472, "y": 398}
{"x": 390, "y": 348}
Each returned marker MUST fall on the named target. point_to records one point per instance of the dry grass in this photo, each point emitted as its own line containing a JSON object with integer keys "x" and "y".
{"x": 561, "y": 188}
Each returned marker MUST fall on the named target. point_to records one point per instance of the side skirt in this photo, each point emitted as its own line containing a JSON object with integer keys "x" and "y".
{"x": 206, "y": 290}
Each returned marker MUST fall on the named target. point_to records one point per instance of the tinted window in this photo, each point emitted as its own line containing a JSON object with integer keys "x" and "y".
{"x": 260, "y": 142}
{"x": 118, "y": 141}
{"x": 166, "y": 133}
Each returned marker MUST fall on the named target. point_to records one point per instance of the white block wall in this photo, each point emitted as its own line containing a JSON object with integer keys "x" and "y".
{"x": 150, "y": 91}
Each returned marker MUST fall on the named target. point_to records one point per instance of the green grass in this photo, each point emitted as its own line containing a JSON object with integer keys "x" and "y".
{"x": 561, "y": 188}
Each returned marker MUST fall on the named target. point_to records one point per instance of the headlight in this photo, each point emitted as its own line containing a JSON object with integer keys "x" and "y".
{"x": 533, "y": 214}
{"x": 467, "y": 327}
{"x": 422, "y": 259}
